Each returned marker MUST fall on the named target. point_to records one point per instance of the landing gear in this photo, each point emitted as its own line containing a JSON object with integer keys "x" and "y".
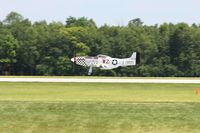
{"x": 90, "y": 71}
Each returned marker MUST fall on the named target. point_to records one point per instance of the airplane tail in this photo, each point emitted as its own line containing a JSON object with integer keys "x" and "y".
{"x": 136, "y": 56}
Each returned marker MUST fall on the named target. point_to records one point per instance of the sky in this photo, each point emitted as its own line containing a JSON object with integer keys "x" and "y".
{"x": 111, "y": 12}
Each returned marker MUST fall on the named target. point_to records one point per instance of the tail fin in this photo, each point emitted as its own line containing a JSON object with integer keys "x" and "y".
{"x": 133, "y": 56}
{"x": 136, "y": 56}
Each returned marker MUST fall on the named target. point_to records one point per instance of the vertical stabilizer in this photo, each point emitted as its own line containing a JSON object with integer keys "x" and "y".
{"x": 136, "y": 56}
{"x": 133, "y": 56}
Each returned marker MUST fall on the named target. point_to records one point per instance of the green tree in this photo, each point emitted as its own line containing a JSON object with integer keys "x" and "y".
{"x": 80, "y": 22}
{"x": 181, "y": 49}
{"x": 8, "y": 47}
{"x": 135, "y": 22}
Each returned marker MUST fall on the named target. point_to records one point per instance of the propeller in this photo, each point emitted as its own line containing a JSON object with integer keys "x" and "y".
{"x": 74, "y": 63}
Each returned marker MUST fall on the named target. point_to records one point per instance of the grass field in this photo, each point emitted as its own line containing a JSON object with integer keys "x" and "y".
{"x": 99, "y": 108}
{"x": 102, "y": 77}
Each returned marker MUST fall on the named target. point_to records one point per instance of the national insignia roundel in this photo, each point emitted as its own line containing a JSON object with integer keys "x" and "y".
{"x": 114, "y": 62}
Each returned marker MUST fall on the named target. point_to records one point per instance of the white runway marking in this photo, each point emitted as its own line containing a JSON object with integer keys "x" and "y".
{"x": 106, "y": 80}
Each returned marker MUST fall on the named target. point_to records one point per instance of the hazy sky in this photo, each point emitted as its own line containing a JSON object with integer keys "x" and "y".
{"x": 112, "y": 12}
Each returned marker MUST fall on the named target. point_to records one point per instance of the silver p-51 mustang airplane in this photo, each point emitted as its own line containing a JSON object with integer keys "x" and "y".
{"x": 105, "y": 62}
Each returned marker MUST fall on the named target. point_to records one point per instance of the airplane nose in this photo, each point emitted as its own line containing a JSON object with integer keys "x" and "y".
{"x": 73, "y": 59}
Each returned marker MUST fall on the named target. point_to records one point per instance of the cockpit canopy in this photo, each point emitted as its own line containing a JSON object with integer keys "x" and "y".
{"x": 103, "y": 56}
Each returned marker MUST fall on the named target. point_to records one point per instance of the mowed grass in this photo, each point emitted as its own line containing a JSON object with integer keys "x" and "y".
{"x": 99, "y": 108}
{"x": 98, "y": 92}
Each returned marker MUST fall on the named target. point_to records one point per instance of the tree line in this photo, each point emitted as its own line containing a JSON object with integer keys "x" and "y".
{"x": 42, "y": 48}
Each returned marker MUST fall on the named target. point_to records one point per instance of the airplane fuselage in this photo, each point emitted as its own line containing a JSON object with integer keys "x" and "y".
{"x": 103, "y": 62}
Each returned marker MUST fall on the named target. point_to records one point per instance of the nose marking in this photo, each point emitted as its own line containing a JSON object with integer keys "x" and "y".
{"x": 80, "y": 61}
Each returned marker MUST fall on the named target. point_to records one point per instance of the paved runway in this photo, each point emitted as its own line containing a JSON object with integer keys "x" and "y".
{"x": 101, "y": 80}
